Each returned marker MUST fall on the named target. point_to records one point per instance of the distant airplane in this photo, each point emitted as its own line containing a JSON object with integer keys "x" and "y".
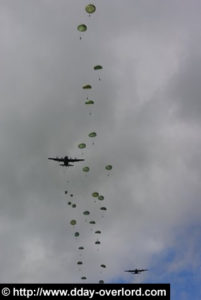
{"x": 136, "y": 271}
{"x": 65, "y": 160}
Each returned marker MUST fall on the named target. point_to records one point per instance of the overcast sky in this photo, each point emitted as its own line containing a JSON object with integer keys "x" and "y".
{"x": 147, "y": 115}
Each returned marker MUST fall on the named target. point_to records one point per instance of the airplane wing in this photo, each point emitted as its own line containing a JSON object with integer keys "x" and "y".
{"x": 75, "y": 159}
{"x": 56, "y": 158}
{"x": 129, "y": 271}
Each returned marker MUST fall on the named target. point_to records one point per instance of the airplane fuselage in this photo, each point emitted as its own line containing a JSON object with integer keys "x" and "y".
{"x": 65, "y": 160}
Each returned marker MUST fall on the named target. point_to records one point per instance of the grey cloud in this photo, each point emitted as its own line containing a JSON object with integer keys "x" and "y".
{"x": 154, "y": 186}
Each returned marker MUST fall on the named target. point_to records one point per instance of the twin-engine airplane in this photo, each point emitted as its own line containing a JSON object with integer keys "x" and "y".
{"x": 136, "y": 271}
{"x": 65, "y": 160}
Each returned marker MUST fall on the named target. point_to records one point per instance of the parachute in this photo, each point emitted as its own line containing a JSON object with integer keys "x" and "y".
{"x": 92, "y": 134}
{"x": 89, "y": 102}
{"x": 95, "y": 194}
{"x": 98, "y": 67}
{"x": 82, "y": 146}
{"x": 86, "y": 169}
{"x": 86, "y": 213}
{"x": 73, "y": 222}
{"x": 103, "y": 208}
{"x": 87, "y": 87}
{"x": 81, "y": 248}
{"x": 92, "y": 222}
{"x": 108, "y": 167}
{"x": 103, "y": 266}
{"x": 82, "y": 27}
{"x": 90, "y": 8}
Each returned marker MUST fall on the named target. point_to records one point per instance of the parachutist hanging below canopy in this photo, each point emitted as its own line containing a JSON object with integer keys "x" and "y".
{"x": 82, "y": 28}
{"x": 98, "y": 67}
{"x": 65, "y": 160}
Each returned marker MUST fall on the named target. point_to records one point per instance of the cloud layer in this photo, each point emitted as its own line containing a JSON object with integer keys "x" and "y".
{"x": 147, "y": 119}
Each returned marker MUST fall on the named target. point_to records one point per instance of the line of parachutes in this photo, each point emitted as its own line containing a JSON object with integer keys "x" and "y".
{"x": 98, "y": 197}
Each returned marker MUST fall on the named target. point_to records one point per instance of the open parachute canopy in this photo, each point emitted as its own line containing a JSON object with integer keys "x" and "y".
{"x": 82, "y": 27}
{"x": 101, "y": 281}
{"x": 73, "y": 222}
{"x": 108, "y": 167}
{"x": 103, "y": 208}
{"x": 92, "y": 222}
{"x": 81, "y": 248}
{"x": 95, "y": 194}
{"x": 98, "y": 67}
{"x": 86, "y": 213}
{"x": 86, "y": 169}
{"x": 88, "y": 102}
{"x": 103, "y": 266}
{"x": 87, "y": 87}
{"x": 90, "y": 8}
{"x": 82, "y": 146}
{"x": 92, "y": 134}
